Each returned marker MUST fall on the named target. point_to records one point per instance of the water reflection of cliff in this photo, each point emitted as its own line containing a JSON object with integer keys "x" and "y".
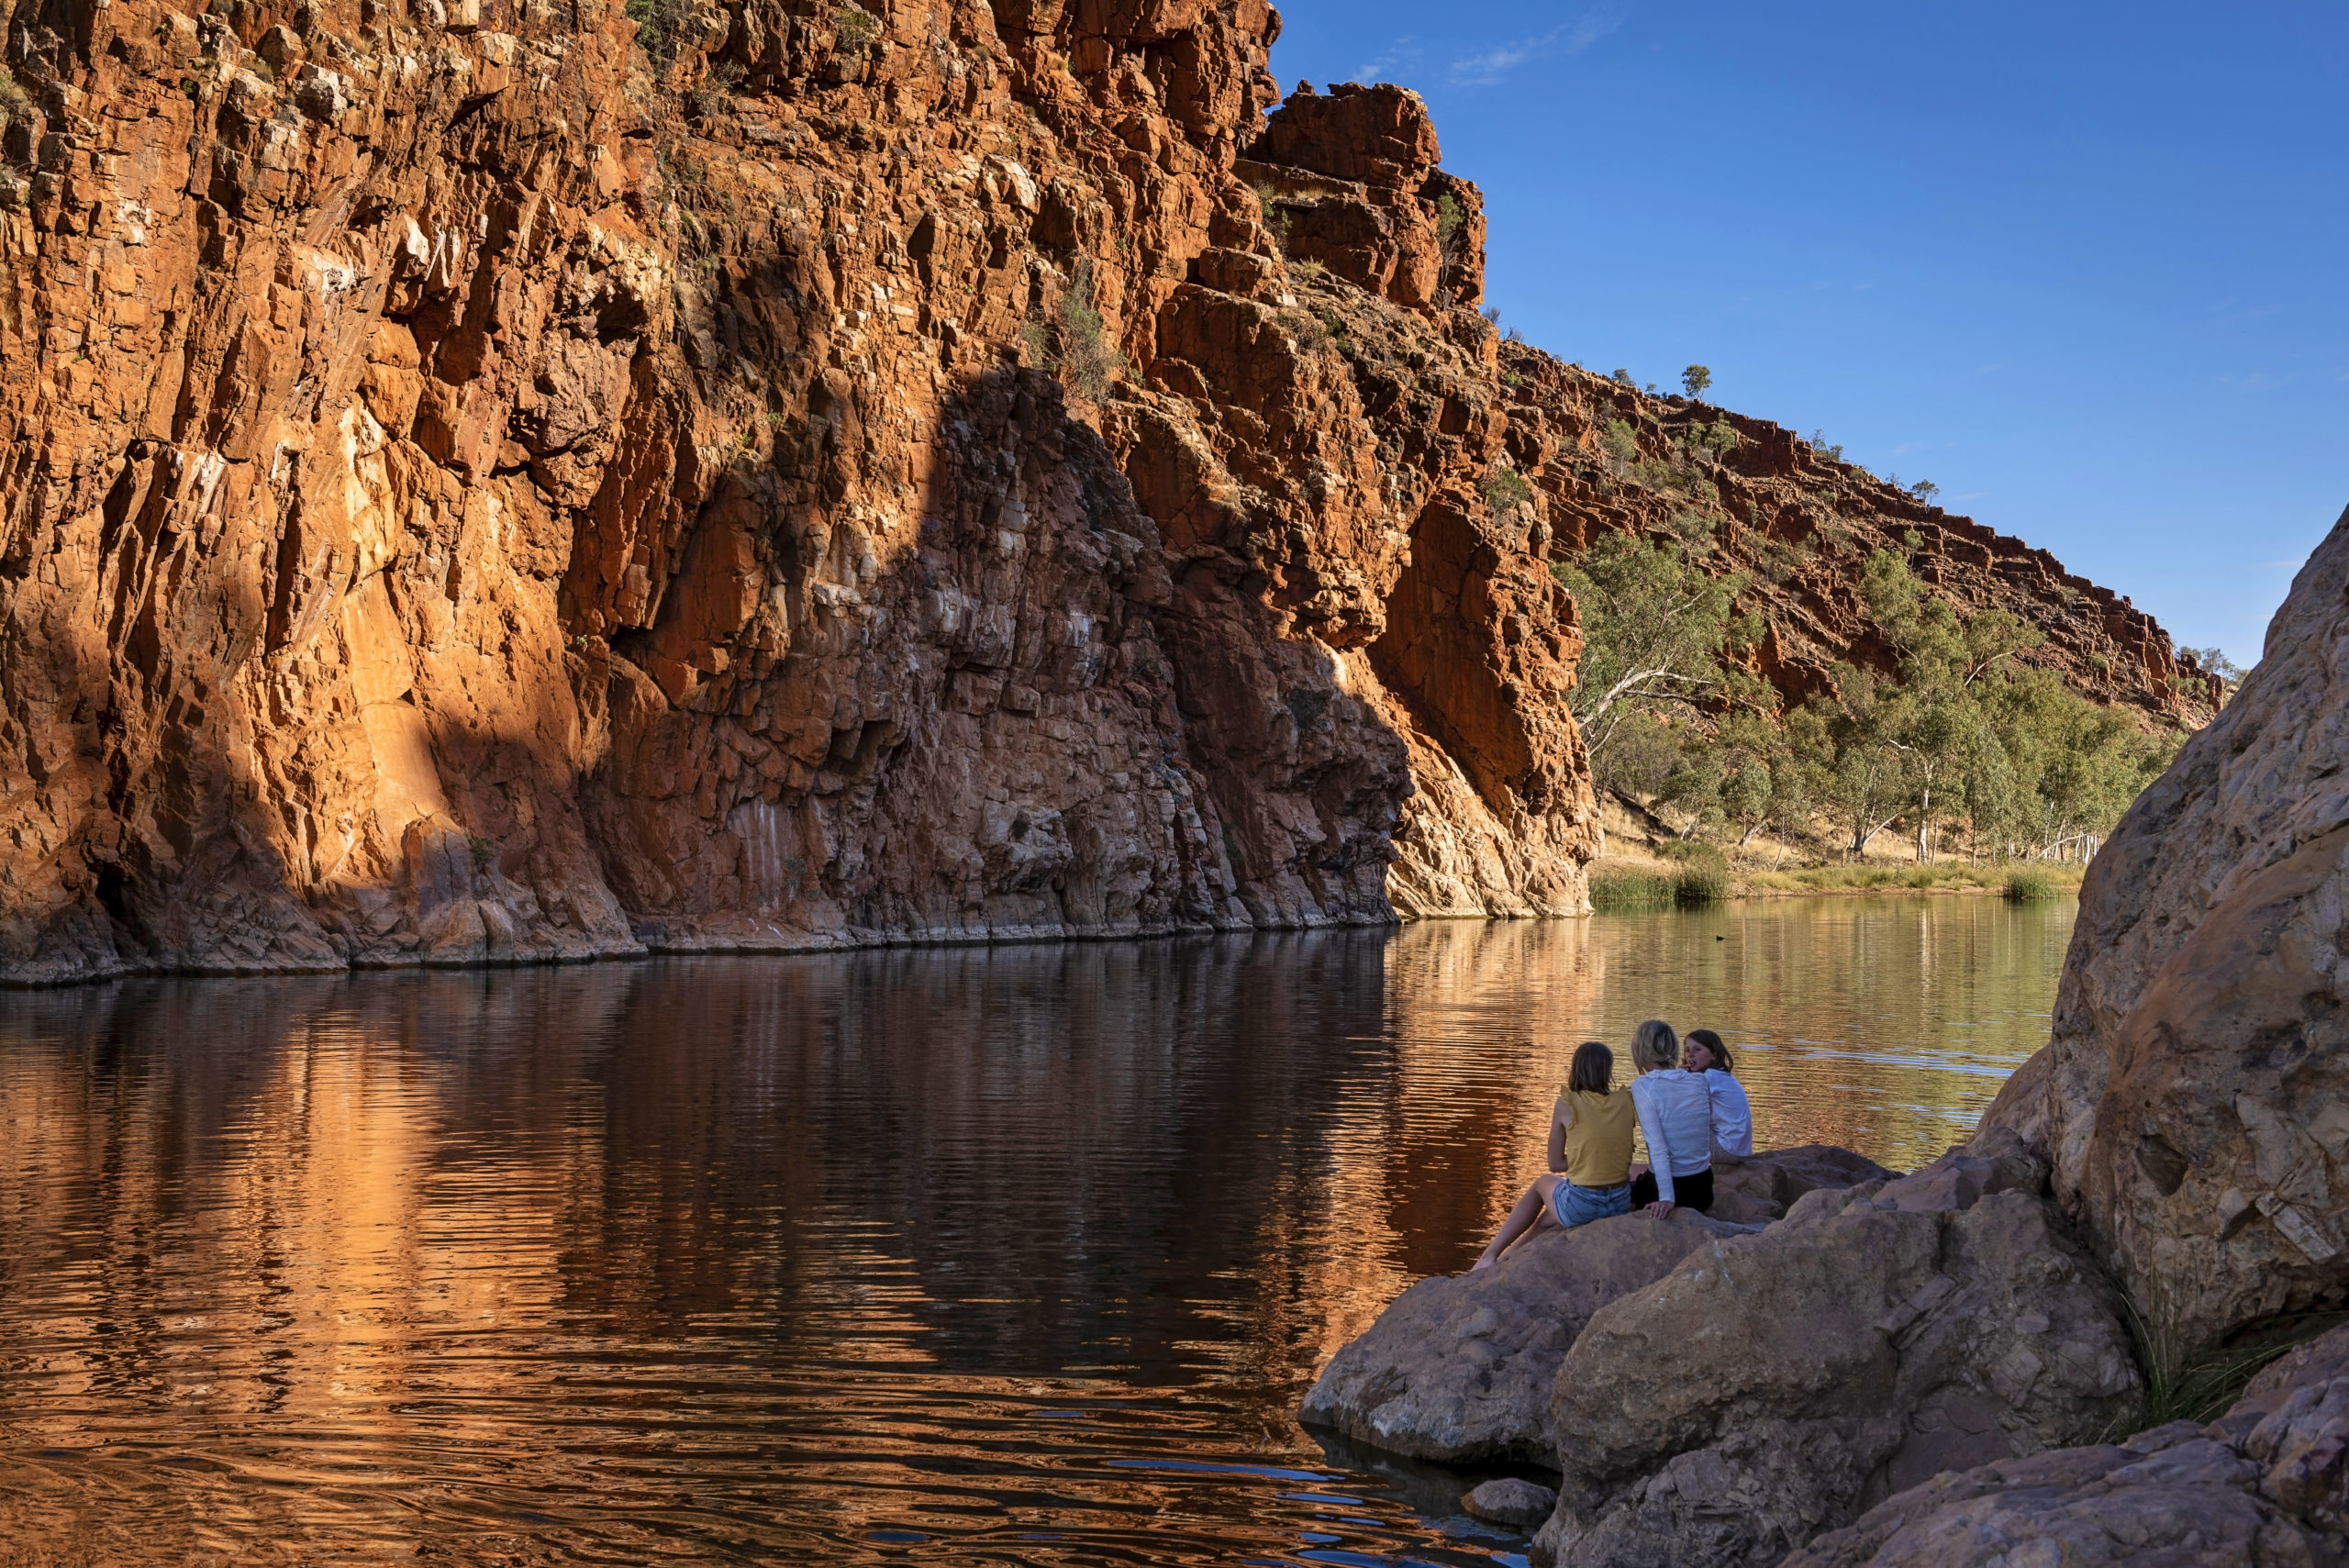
{"x": 555, "y": 1213}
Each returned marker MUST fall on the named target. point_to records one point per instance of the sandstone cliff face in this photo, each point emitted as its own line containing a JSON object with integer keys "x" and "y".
{"x": 1799, "y": 524}
{"x": 472, "y": 494}
{"x": 2194, "y": 1099}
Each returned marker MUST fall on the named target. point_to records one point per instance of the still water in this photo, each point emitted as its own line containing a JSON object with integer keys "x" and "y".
{"x": 1019, "y": 1255}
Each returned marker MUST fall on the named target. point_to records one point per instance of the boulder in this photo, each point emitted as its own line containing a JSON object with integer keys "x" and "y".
{"x": 2262, "y": 1484}
{"x": 1755, "y": 1188}
{"x": 2171, "y": 1497}
{"x": 1458, "y": 1369}
{"x": 1510, "y": 1501}
{"x": 2194, "y": 1096}
{"x": 1773, "y": 1386}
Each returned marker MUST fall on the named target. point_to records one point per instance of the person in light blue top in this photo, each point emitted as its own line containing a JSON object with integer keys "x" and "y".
{"x": 1708, "y": 1056}
{"x": 1677, "y": 1119}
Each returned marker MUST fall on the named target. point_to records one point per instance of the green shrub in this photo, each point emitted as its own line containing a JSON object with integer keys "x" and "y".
{"x": 1449, "y": 216}
{"x": 854, "y": 28}
{"x": 1622, "y": 443}
{"x": 1693, "y": 852}
{"x": 1631, "y": 890}
{"x": 1075, "y": 346}
{"x": 1701, "y": 885}
{"x": 1696, "y": 378}
{"x": 1506, "y": 488}
{"x": 2029, "y": 887}
{"x": 657, "y": 25}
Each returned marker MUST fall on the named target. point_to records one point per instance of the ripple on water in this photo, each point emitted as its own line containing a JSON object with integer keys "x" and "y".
{"x": 1013, "y": 1255}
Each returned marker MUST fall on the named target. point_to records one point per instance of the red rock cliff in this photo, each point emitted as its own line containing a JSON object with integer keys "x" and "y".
{"x": 472, "y": 493}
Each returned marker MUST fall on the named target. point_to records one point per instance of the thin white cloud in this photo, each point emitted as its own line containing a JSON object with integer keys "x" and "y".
{"x": 2257, "y": 381}
{"x": 1403, "y": 54}
{"x": 1487, "y": 66}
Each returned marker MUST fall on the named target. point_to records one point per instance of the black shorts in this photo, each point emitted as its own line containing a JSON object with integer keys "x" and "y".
{"x": 1689, "y": 1192}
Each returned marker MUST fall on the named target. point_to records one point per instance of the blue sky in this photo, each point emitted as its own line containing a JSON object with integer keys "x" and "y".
{"x": 2085, "y": 268}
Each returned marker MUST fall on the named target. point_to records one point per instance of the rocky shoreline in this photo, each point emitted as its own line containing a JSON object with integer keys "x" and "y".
{"x": 1971, "y": 1364}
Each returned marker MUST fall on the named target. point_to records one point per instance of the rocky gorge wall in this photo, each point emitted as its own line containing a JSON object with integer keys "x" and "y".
{"x": 477, "y": 489}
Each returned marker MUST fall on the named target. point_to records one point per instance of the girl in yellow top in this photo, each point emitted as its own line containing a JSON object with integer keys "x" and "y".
{"x": 1591, "y": 1141}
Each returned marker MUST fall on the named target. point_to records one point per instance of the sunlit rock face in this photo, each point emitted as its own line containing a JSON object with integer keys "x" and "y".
{"x": 2195, "y": 1095}
{"x": 472, "y": 493}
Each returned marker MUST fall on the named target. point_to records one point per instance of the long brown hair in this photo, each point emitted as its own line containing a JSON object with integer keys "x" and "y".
{"x": 1713, "y": 1043}
{"x": 1594, "y": 1070}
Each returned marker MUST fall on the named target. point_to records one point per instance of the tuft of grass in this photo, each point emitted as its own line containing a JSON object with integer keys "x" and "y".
{"x": 1869, "y": 878}
{"x": 2196, "y": 1383}
{"x": 2028, "y": 888}
{"x": 1632, "y": 889}
{"x": 1700, "y": 884}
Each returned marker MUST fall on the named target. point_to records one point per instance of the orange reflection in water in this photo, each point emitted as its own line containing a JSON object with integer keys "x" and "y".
{"x": 777, "y": 1258}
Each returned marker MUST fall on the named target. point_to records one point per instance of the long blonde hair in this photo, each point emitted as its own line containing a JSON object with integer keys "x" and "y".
{"x": 1655, "y": 1047}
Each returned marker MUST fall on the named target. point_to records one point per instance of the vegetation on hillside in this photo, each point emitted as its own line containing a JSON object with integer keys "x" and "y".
{"x": 1963, "y": 747}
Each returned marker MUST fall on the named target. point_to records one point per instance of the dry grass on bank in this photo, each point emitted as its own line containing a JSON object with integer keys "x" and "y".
{"x": 1938, "y": 878}
{"x": 1648, "y": 865}
{"x": 1626, "y": 882}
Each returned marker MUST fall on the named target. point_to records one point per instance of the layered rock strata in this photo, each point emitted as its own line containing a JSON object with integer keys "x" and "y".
{"x": 482, "y": 486}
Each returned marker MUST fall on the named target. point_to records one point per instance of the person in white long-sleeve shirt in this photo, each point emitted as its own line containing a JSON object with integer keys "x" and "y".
{"x": 1706, "y": 1055}
{"x": 1675, "y": 1112}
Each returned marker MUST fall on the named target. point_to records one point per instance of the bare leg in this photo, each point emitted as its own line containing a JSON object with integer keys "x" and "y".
{"x": 1520, "y": 1220}
{"x": 1543, "y": 1219}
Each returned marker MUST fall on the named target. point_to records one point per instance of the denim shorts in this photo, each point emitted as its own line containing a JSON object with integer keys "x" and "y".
{"x": 1573, "y": 1205}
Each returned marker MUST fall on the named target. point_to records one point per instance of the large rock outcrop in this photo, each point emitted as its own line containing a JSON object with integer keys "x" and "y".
{"x": 1460, "y": 1368}
{"x": 485, "y": 484}
{"x": 2194, "y": 1099}
{"x": 1773, "y": 1387}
